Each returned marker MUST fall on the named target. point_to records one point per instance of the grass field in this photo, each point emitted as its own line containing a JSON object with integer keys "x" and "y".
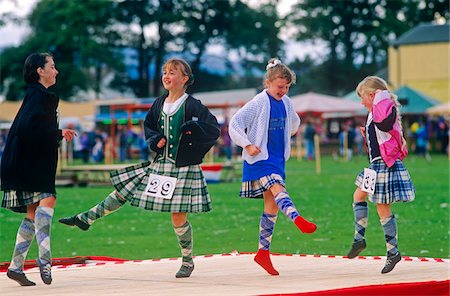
{"x": 326, "y": 199}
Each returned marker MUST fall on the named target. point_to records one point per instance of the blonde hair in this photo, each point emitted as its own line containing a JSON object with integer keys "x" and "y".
{"x": 276, "y": 69}
{"x": 370, "y": 84}
{"x": 183, "y": 66}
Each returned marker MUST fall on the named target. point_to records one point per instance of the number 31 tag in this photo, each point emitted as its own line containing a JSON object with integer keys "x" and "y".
{"x": 160, "y": 186}
{"x": 369, "y": 180}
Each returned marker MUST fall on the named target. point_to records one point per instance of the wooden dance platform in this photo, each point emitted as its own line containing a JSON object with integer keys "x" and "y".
{"x": 228, "y": 274}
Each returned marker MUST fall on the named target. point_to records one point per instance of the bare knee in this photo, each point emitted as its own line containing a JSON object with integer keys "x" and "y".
{"x": 276, "y": 188}
{"x": 384, "y": 210}
{"x": 178, "y": 219}
{"x": 359, "y": 195}
{"x": 119, "y": 195}
{"x": 270, "y": 207}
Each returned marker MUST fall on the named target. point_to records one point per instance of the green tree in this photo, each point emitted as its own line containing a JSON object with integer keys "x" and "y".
{"x": 81, "y": 37}
{"x": 358, "y": 33}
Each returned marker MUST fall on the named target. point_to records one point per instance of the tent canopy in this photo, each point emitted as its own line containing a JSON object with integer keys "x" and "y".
{"x": 315, "y": 103}
{"x": 413, "y": 101}
{"x": 440, "y": 110}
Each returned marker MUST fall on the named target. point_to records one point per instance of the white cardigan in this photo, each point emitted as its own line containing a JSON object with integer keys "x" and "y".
{"x": 254, "y": 117}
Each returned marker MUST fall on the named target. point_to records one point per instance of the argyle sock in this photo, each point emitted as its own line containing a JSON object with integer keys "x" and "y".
{"x": 266, "y": 227}
{"x": 184, "y": 235}
{"x": 285, "y": 204}
{"x": 361, "y": 212}
{"x": 390, "y": 233}
{"x": 43, "y": 221}
{"x": 109, "y": 205}
{"x": 25, "y": 235}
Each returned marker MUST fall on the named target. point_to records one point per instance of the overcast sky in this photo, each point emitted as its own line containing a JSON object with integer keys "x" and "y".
{"x": 12, "y": 34}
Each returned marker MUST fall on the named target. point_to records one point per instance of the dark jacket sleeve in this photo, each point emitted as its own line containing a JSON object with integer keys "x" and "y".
{"x": 152, "y": 136}
{"x": 388, "y": 123}
{"x": 199, "y": 133}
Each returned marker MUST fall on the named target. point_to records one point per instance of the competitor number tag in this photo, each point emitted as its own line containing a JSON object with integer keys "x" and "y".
{"x": 160, "y": 186}
{"x": 370, "y": 177}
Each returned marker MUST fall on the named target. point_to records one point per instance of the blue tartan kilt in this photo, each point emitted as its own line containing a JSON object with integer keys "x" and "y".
{"x": 190, "y": 195}
{"x": 255, "y": 188}
{"x": 392, "y": 185}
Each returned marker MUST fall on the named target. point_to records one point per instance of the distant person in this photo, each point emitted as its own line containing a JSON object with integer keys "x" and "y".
{"x": 180, "y": 130}
{"x": 421, "y": 136}
{"x": 392, "y": 183}
{"x": 308, "y": 138}
{"x": 97, "y": 150}
{"x": 226, "y": 142}
{"x": 347, "y": 134}
{"x": 263, "y": 128}
{"x": 28, "y": 166}
{"x": 442, "y": 135}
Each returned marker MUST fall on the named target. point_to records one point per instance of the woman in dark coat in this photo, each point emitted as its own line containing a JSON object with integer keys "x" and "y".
{"x": 28, "y": 165}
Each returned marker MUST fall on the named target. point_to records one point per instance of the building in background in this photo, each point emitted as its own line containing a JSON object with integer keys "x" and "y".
{"x": 420, "y": 59}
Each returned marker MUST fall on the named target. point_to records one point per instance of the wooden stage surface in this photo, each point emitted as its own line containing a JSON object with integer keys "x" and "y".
{"x": 227, "y": 274}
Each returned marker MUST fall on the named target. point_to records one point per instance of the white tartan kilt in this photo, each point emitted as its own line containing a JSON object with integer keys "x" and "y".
{"x": 190, "y": 195}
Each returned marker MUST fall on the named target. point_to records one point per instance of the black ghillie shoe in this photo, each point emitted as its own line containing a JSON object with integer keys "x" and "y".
{"x": 20, "y": 278}
{"x": 74, "y": 221}
{"x": 185, "y": 271}
{"x": 357, "y": 248}
{"x": 46, "y": 272}
{"x": 391, "y": 261}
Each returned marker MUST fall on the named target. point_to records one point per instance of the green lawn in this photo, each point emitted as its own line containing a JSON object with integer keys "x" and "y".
{"x": 233, "y": 224}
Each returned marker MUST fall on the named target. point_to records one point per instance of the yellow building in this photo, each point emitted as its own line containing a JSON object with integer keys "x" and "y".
{"x": 420, "y": 59}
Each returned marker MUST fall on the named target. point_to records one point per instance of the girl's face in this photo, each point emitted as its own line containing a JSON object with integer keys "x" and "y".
{"x": 47, "y": 74}
{"x": 278, "y": 87}
{"x": 367, "y": 100}
{"x": 173, "y": 79}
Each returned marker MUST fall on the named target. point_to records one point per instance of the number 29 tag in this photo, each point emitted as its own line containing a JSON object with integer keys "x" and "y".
{"x": 369, "y": 180}
{"x": 160, "y": 186}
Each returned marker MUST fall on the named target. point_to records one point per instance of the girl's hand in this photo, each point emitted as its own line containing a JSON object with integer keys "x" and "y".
{"x": 161, "y": 143}
{"x": 362, "y": 129}
{"x": 69, "y": 134}
{"x": 252, "y": 150}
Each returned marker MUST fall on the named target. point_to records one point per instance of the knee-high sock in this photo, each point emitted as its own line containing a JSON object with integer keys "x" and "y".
{"x": 43, "y": 220}
{"x": 184, "y": 235}
{"x": 390, "y": 233}
{"x": 109, "y": 205}
{"x": 361, "y": 212}
{"x": 25, "y": 235}
{"x": 266, "y": 227}
{"x": 285, "y": 204}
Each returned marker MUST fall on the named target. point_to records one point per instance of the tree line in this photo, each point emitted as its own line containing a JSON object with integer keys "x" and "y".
{"x": 88, "y": 38}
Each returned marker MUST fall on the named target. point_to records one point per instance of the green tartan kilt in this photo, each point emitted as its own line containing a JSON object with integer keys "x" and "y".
{"x": 190, "y": 195}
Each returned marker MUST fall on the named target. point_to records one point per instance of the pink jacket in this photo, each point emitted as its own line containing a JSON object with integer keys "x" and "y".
{"x": 391, "y": 142}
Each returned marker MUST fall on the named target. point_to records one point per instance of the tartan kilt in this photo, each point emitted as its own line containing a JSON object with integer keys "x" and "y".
{"x": 392, "y": 185}
{"x": 255, "y": 188}
{"x": 17, "y": 201}
{"x": 190, "y": 195}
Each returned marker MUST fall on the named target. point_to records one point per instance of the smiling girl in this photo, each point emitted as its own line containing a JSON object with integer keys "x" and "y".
{"x": 180, "y": 130}
{"x": 263, "y": 128}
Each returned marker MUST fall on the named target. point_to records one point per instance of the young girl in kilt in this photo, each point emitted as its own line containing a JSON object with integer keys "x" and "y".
{"x": 180, "y": 130}
{"x": 263, "y": 128}
{"x": 387, "y": 148}
{"x": 28, "y": 166}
